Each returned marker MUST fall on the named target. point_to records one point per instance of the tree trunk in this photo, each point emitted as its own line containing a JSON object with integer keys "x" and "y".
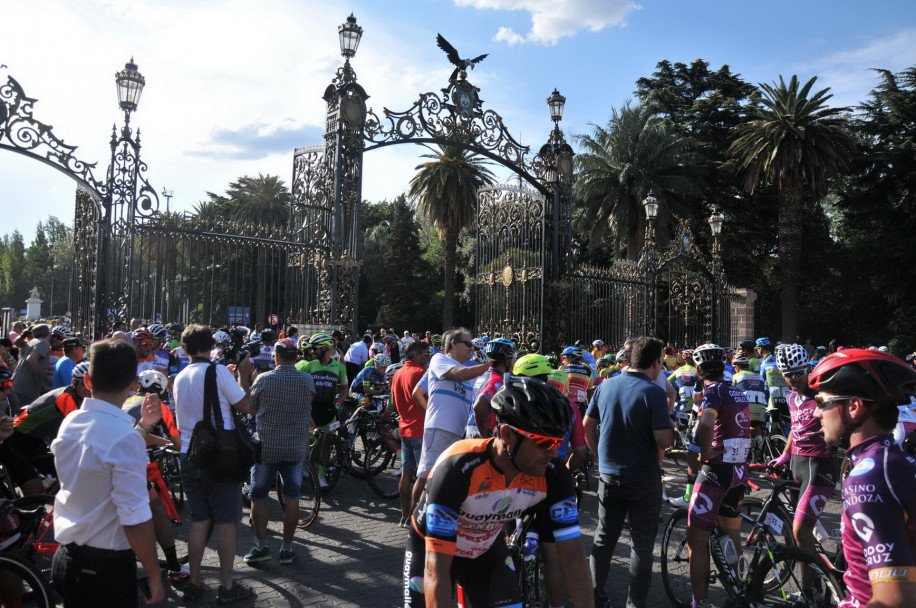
{"x": 448, "y": 302}
{"x": 791, "y": 215}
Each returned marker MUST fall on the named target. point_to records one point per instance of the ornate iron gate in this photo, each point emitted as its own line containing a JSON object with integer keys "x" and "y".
{"x": 510, "y": 264}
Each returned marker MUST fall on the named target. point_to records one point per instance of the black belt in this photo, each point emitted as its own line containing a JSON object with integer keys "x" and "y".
{"x": 96, "y": 553}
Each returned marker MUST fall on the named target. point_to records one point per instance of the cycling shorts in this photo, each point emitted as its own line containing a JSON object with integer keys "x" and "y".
{"x": 818, "y": 481}
{"x": 489, "y": 580}
{"x": 718, "y": 490}
{"x": 322, "y": 415}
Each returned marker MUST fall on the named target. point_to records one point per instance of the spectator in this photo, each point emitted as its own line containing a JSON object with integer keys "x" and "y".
{"x": 6, "y": 357}
{"x": 18, "y": 328}
{"x": 212, "y": 500}
{"x": 357, "y": 355}
{"x": 73, "y": 354}
{"x": 31, "y": 376}
{"x": 281, "y": 399}
{"x": 412, "y": 415}
{"x": 633, "y": 413}
{"x": 449, "y": 400}
{"x": 102, "y": 515}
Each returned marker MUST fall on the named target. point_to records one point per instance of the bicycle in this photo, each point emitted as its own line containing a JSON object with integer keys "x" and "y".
{"x": 770, "y": 576}
{"x": 685, "y": 415}
{"x": 341, "y": 445}
{"x": 309, "y": 495}
{"x": 382, "y": 464}
{"x": 25, "y": 564}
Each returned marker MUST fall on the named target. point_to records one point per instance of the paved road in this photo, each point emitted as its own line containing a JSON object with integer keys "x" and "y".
{"x": 352, "y": 556}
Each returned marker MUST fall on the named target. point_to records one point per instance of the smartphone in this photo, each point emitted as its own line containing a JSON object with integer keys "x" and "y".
{"x": 143, "y": 583}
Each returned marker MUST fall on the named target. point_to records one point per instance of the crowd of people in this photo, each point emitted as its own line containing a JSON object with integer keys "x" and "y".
{"x": 487, "y": 434}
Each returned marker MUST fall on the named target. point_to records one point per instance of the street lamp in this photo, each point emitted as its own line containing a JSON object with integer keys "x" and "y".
{"x": 130, "y": 86}
{"x": 651, "y": 206}
{"x": 556, "y": 103}
{"x": 715, "y": 223}
{"x": 350, "y": 34}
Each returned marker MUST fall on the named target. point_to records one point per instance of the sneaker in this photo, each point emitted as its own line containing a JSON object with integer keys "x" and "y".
{"x": 705, "y": 604}
{"x": 402, "y": 523}
{"x": 236, "y": 593}
{"x": 287, "y": 556}
{"x": 192, "y": 592}
{"x": 257, "y": 555}
{"x": 678, "y": 502}
{"x": 179, "y": 578}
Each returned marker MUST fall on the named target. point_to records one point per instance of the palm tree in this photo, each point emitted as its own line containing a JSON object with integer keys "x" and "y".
{"x": 619, "y": 164}
{"x": 264, "y": 200}
{"x": 445, "y": 191}
{"x": 794, "y": 142}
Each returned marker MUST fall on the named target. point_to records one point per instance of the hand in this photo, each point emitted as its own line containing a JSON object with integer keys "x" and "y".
{"x": 157, "y": 593}
{"x": 778, "y": 462}
{"x": 244, "y": 366}
{"x": 150, "y": 411}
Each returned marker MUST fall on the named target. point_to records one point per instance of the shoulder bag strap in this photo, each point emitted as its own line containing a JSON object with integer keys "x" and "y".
{"x": 211, "y": 398}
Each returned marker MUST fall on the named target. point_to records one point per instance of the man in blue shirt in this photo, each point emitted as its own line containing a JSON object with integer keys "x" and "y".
{"x": 63, "y": 370}
{"x": 633, "y": 413}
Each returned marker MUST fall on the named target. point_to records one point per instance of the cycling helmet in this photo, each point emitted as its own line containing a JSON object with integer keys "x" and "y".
{"x": 480, "y": 357}
{"x": 269, "y": 335}
{"x": 597, "y": 343}
{"x": 747, "y": 345}
{"x": 159, "y": 331}
{"x": 532, "y": 365}
{"x": 552, "y": 358}
{"x": 687, "y": 353}
{"x": 142, "y": 334}
{"x": 153, "y": 381}
{"x": 870, "y": 374}
{"x": 303, "y": 343}
{"x": 621, "y": 356}
{"x": 573, "y": 352}
{"x": 532, "y": 405}
{"x": 382, "y": 359}
{"x": 176, "y": 328}
{"x": 436, "y": 339}
{"x": 319, "y": 340}
{"x": 791, "y": 356}
{"x": 741, "y": 359}
{"x": 500, "y": 346}
{"x": 478, "y": 343}
{"x": 80, "y": 370}
{"x": 605, "y": 361}
{"x": 378, "y": 347}
{"x": 220, "y": 337}
{"x": 485, "y": 339}
{"x": 239, "y": 331}
{"x": 708, "y": 352}
{"x": 61, "y": 332}
{"x": 762, "y": 341}
{"x": 821, "y": 350}
{"x": 391, "y": 369}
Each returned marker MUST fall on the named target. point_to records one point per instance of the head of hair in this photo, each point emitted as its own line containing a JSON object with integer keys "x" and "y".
{"x": 71, "y": 344}
{"x": 711, "y": 370}
{"x": 6, "y": 342}
{"x": 197, "y": 339}
{"x": 452, "y": 336}
{"x": 112, "y": 366}
{"x": 41, "y": 330}
{"x": 367, "y": 339}
{"x": 291, "y": 330}
{"x": 416, "y": 348}
{"x": 337, "y": 335}
{"x": 645, "y": 351}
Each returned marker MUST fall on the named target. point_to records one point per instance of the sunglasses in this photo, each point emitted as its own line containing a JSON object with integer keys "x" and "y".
{"x": 467, "y": 343}
{"x": 826, "y": 403}
{"x": 542, "y": 441}
{"x": 145, "y": 343}
{"x": 797, "y": 373}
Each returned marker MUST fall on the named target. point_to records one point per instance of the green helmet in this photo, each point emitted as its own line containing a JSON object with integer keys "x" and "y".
{"x": 532, "y": 365}
{"x": 436, "y": 339}
{"x": 606, "y": 361}
{"x": 321, "y": 340}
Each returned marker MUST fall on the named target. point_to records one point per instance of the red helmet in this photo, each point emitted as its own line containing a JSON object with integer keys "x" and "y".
{"x": 871, "y": 374}
{"x": 142, "y": 334}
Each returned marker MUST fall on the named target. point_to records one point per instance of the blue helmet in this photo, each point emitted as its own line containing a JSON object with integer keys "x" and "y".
{"x": 572, "y": 351}
{"x": 762, "y": 341}
{"x": 500, "y": 346}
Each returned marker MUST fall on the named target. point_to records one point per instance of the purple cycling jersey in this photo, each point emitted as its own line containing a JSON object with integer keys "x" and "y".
{"x": 732, "y": 431}
{"x": 879, "y": 518}
{"x": 807, "y": 439}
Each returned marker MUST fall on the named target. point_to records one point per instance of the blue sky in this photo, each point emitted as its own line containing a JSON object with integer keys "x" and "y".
{"x": 233, "y": 85}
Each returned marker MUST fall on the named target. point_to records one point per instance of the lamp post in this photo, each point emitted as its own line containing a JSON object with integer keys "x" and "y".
{"x": 648, "y": 261}
{"x": 715, "y": 226}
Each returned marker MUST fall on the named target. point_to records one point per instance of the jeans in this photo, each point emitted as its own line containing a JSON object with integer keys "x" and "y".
{"x": 641, "y": 500}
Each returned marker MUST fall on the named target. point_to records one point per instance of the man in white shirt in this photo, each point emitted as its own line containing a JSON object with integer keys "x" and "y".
{"x": 357, "y": 355}
{"x": 449, "y": 402}
{"x": 102, "y": 518}
{"x": 212, "y": 500}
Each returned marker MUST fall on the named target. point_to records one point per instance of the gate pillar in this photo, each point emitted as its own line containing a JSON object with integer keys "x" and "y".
{"x": 742, "y": 314}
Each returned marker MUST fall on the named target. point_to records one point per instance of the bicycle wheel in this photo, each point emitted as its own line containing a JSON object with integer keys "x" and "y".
{"x": 773, "y": 447}
{"x": 675, "y": 560}
{"x": 679, "y": 457}
{"x": 309, "y": 496}
{"x": 361, "y": 442}
{"x": 382, "y": 469}
{"x": 332, "y": 464}
{"x": 21, "y": 583}
{"x": 168, "y": 466}
{"x": 785, "y": 569}
{"x": 779, "y": 522}
{"x": 40, "y": 545}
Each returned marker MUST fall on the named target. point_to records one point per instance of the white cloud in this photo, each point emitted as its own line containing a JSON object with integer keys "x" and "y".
{"x": 552, "y": 20}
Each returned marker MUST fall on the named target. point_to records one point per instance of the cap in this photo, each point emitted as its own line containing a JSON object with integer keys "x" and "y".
{"x": 287, "y": 345}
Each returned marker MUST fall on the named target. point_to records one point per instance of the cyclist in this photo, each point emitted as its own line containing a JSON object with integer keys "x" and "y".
{"x": 174, "y": 330}
{"x": 777, "y": 389}
{"x": 160, "y": 352}
{"x": 670, "y": 360}
{"x": 156, "y": 383}
{"x": 143, "y": 342}
{"x": 479, "y": 485}
{"x": 581, "y": 379}
{"x": 606, "y": 368}
{"x": 218, "y": 352}
{"x": 599, "y": 349}
{"x": 753, "y": 387}
{"x": 371, "y": 380}
{"x": 717, "y": 456}
{"x": 179, "y": 358}
{"x": 685, "y": 382}
{"x": 264, "y": 360}
{"x": 858, "y": 391}
{"x": 329, "y": 376}
{"x": 500, "y": 353}
{"x": 749, "y": 348}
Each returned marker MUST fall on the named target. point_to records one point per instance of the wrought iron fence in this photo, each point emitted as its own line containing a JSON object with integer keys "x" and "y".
{"x": 606, "y": 303}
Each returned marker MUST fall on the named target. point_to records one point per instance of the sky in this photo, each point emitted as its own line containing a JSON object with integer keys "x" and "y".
{"x": 233, "y": 86}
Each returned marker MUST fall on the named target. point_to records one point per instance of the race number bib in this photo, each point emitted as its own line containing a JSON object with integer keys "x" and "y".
{"x": 736, "y": 450}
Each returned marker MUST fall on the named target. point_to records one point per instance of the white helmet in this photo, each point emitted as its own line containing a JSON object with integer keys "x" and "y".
{"x": 382, "y": 359}
{"x": 220, "y": 337}
{"x": 791, "y": 356}
{"x": 153, "y": 381}
{"x": 708, "y": 352}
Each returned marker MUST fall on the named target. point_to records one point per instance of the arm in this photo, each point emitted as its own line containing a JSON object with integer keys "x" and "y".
{"x": 892, "y": 595}
{"x": 142, "y": 540}
{"x": 481, "y": 409}
{"x": 576, "y": 574}
{"x": 419, "y": 396}
{"x": 671, "y": 393}
{"x": 590, "y": 425}
{"x": 703, "y": 436}
{"x": 460, "y": 373}
{"x": 437, "y": 580}
{"x": 34, "y": 362}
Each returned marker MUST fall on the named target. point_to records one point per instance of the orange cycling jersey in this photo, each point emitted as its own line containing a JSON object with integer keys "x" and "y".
{"x": 467, "y": 501}
{"x": 581, "y": 382}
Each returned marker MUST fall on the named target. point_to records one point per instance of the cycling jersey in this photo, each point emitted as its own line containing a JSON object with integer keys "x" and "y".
{"x": 686, "y": 383}
{"x": 54, "y": 355}
{"x": 754, "y": 390}
{"x": 732, "y": 430}
{"x": 264, "y": 360}
{"x": 328, "y": 380}
{"x": 494, "y": 382}
{"x": 807, "y": 439}
{"x": 671, "y": 362}
{"x": 133, "y": 404}
{"x": 163, "y": 361}
{"x": 145, "y": 363}
{"x": 467, "y": 502}
{"x": 368, "y": 378}
{"x": 775, "y": 383}
{"x": 180, "y": 360}
{"x": 558, "y": 379}
{"x": 42, "y": 418}
{"x": 216, "y": 356}
{"x": 879, "y": 518}
{"x": 581, "y": 380}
